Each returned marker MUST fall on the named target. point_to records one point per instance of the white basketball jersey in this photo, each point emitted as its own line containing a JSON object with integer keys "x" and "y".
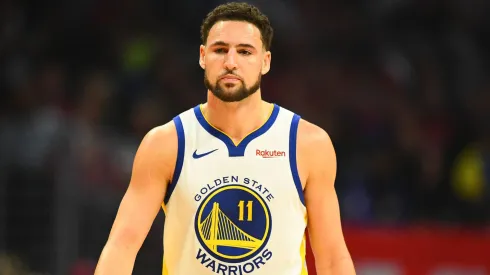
{"x": 235, "y": 209}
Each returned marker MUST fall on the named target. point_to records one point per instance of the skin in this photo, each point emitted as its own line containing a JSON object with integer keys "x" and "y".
{"x": 236, "y": 47}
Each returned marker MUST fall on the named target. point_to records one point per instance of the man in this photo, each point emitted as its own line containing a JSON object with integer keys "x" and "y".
{"x": 239, "y": 178}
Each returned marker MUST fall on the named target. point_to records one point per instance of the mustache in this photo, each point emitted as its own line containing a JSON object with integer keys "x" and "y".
{"x": 230, "y": 73}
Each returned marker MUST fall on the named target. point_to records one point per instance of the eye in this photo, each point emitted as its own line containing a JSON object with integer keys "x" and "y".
{"x": 220, "y": 50}
{"x": 244, "y": 52}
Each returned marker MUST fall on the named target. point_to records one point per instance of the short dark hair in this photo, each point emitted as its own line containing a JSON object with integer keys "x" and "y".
{"x": 239, "y": 11}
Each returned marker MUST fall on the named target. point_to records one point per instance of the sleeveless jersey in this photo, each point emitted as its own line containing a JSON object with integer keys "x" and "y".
{"x": 235, "y": 209}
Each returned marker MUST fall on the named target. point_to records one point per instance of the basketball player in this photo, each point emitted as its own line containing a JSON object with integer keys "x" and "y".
{"x": 238, "y": 178}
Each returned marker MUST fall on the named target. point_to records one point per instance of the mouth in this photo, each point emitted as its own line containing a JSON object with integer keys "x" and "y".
{"x": 230, "y": 78}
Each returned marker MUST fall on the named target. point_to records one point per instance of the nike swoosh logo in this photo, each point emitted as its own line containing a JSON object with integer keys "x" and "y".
{"x": 197, "y": 156}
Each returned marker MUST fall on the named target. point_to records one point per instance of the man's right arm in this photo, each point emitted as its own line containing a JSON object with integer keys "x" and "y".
{"x": 153, "y": 167}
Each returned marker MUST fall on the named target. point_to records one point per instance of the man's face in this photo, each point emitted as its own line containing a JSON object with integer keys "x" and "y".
{"x": 233, "y": 60}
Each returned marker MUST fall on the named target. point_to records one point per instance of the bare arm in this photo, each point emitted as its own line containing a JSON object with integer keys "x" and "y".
{"x": 152, "y": 169}
{"x": 327, "y": 241}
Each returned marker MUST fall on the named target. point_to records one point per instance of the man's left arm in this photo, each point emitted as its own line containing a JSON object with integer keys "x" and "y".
{"x": 324, "y": 226}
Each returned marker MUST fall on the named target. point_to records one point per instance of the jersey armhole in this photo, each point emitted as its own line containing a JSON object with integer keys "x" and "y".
{"x": 180, "y": 158}
{"x": 293, "y": 137}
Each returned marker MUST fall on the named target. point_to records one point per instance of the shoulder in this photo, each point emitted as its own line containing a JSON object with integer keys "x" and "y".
{"x": 315, "y": 149}
{"x": 161, "y": 136}
{"x": 158, "y": 149}
{"x": 311, "y": 137}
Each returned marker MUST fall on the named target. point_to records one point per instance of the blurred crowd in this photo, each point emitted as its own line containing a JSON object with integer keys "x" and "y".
{"x": 401, "y": 86}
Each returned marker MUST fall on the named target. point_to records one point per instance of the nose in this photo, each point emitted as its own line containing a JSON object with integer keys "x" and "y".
{"x": 230, "y": 60}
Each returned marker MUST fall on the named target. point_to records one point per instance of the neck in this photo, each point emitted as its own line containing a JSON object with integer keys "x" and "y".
{"x": 237, "y": 119}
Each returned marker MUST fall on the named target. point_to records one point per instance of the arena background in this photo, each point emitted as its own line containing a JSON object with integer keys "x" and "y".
{"x": 402, "y": 87}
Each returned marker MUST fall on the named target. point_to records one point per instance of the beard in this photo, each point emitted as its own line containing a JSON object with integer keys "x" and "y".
{"x": 231, "y": 92}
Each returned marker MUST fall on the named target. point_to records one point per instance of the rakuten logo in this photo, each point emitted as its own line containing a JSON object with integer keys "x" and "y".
{"x": 269, "y": 154}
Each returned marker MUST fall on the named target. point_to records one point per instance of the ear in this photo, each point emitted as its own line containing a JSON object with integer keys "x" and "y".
{"x": 202, "y": 50}
{"x": 266, "y": 63}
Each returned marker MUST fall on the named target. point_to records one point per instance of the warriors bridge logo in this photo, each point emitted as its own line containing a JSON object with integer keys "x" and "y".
{"x": 233, "y": 226}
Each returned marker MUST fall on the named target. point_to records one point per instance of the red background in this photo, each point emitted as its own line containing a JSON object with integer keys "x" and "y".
{"x": 417, "y": 251}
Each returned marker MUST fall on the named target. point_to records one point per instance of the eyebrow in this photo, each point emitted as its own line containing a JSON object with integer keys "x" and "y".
{"x": 243, "y": 45}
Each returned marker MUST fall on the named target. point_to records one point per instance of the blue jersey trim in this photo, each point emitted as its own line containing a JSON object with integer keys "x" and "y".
{"x": 239, "y": 149}
{"x": 180, "y": 158}
{"x": 293, "y": 136}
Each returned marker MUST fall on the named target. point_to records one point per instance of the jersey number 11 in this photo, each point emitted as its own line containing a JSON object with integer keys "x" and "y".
{"x": 241, "y": 211}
